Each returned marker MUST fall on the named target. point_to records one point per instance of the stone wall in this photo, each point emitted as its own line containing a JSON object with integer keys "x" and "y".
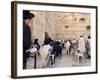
{"x": 60, "y": 25}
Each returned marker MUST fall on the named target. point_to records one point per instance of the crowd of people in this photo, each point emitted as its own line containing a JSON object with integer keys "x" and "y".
{"x": 51, "y": 47}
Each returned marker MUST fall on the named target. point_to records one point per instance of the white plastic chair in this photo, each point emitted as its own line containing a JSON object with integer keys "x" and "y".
{"x": 79, "y": 54}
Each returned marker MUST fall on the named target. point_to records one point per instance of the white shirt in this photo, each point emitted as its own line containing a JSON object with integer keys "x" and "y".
{"x": 67, "y": 45}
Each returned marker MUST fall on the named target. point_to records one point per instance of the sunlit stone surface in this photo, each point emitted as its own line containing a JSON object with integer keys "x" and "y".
{"x": 60, "y": 25}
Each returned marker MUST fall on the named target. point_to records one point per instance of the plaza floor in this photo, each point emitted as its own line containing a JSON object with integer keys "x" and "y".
{"x": 64, "y": 61}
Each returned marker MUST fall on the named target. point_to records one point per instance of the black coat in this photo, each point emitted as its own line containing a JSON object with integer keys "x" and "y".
{"x": 26, "y": 37}
{"x": 57, "y": 49}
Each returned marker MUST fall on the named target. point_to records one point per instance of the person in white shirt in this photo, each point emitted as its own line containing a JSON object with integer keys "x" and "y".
{"x": 67, "y": 46}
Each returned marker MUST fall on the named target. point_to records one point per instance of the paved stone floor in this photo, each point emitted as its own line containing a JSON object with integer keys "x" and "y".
{"x": 64, "y": 61}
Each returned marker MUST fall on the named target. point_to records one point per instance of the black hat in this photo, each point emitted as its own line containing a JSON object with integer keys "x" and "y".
{"x": 27, "y": 14}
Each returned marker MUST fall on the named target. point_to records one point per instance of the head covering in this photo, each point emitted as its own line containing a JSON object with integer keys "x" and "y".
{"x": 27, "y": 14}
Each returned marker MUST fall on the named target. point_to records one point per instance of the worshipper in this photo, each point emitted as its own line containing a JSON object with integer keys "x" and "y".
{"x": 51, "y": 53}
{"x": 36, "y": 45}
{"x": 27, "y": 18}
{"x": 44, "y": 52}
{"x": 62, "y": 44}
{"x": 81, "y": 45}
{"x": 88, "y": 47}
{"x": 79, "y": 53}
{"x": 57, "y": 50}
{"x": 71, "y": 46}
{"x": 74, "y": 42}
{"x": 67, "y": 46}
{"x": 74, "y": 46}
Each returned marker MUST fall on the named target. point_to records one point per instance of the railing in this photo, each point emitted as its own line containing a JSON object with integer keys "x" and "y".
{"x": 34, "y": 55}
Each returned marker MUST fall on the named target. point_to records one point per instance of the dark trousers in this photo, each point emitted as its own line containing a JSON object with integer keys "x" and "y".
{"x": 24, "y": 60}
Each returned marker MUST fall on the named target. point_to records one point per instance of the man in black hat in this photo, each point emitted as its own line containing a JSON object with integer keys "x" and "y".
{"x": 27, "y": 17}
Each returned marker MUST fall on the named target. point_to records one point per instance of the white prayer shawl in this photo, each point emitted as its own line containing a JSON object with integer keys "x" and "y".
{"x": 44, "y": 51}
{"x": 81, "y": 45}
